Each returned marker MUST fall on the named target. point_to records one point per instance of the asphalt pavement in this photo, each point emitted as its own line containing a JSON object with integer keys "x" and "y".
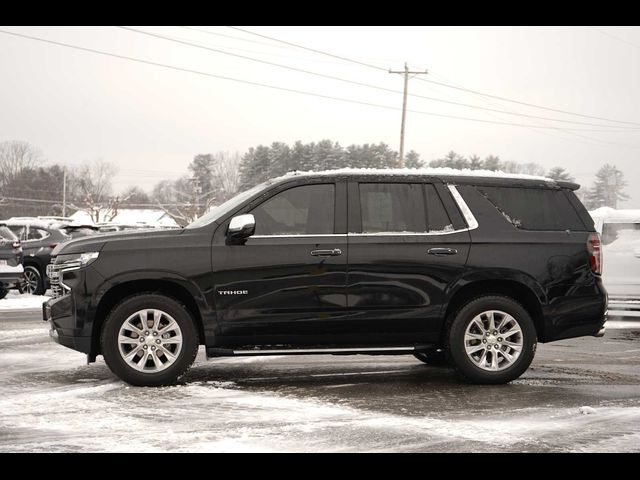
{"x": 579, "y": 395}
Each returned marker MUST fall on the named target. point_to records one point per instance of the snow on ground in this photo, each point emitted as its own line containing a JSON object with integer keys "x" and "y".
{"x": 52, "y": 401}
{"x": 21, "y": 301}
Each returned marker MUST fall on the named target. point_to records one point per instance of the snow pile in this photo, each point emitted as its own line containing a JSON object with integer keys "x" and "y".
{"x": 153, "y": 217}
{"x": 611, "y": 215}
{"x": 17, "y": 301}
{"x": 587, "y": 410}
{"x": 436, "y": 171}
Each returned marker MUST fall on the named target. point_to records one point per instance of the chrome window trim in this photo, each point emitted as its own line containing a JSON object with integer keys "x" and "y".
{"x": 464, "y": 208}
{"x": 405, "y": 234}
{"x": 302, "y": 235}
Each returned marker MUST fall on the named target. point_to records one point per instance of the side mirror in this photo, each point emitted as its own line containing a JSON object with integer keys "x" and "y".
{"x": 241, "y": 228}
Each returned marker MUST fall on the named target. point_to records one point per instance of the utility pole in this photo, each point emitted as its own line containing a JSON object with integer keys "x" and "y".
{"x": 64, "y": 191}
{"x": 406, "y": 74}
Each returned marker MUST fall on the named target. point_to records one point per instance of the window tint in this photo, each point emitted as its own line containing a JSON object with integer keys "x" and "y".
{"x": 392, "y": 207}
{"x": 36, "y": 234}
{"x": 534, "y": 208}
{"x": 437, "y": 217}
{"x": 19, "y": 231}
{"x": 305, "y": 210}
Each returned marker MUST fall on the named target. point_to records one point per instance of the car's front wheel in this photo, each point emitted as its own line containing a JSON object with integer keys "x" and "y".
{"x": 149, "y": 340}
{"x": 33, "y": 281}
{"x": 492, "y": 339}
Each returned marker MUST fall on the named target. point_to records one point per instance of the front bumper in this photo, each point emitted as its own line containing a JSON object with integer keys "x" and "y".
{"x": 60, "y": 313}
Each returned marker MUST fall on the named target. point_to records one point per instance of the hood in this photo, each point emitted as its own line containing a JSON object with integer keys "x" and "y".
{"x": 96, "y": 243}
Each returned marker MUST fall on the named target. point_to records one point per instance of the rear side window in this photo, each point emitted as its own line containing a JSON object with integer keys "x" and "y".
{"x": 534, "y": 208}
{"x": 437, "y": 218}
{"x": 392, "y": 207}
{"x": 304, "y": 210}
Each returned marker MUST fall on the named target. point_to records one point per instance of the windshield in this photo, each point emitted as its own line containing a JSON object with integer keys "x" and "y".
{"x": 226, "y": 207}
{"x": 7, "y": 234}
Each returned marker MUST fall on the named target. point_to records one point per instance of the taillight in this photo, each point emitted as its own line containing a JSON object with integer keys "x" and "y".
{"x": 595, "y": 253}
{"x": 53, "y": 245}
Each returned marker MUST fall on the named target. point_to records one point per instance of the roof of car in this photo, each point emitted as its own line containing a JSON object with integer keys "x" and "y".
{"x": 446, "y": 174}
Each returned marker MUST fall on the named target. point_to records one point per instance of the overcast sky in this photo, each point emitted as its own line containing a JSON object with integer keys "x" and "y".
{"x": 150, "y": 121}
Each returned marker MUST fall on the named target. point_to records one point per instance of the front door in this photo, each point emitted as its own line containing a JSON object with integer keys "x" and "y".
{"x": 287, "y": 284}
{"x": 405, "y": 250}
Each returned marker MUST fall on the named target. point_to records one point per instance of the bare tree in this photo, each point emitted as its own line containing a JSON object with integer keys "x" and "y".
{"x": 15, "y": 157}
{"x": 226, "y": 172}
{"x": 95, "y": 189}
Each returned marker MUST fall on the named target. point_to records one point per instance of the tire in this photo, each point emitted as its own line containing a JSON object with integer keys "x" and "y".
{"x": 519, "y": 345}
{"x": 3, "y": 292}
{"x": 126, "y": 358}
{"x": 34, "y": 283}
{"x": 436, "y": 358}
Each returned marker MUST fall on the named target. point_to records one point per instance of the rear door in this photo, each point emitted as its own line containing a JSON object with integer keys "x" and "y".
{"x": 407, "y": 243}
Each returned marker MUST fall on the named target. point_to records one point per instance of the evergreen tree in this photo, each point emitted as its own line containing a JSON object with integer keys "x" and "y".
{"x": 492, "y": 162}
{"x": 559, "y": 173}
{"x": 607, "y": 188}
{"x": 412, "y": 160}
{"x": 254, "y": 167}
{"x": 451, "y": 160}
{"x": 475, "y": 162}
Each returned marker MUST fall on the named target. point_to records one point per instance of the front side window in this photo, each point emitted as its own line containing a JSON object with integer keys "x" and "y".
{"x": 392, "y": 207}
{"x": 304, "y": 210}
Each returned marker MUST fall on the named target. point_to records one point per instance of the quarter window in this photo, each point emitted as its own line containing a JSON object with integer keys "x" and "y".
{"x": 304, "y": 210}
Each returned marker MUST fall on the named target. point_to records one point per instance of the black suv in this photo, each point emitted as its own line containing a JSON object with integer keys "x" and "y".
{"x": 39, "y": 238}
{"x": 471, "y": 271}
{"x": 11, "y": 272}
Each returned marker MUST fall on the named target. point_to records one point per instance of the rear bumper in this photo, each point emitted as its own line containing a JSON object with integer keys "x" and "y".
{"x": 11, "y": 276}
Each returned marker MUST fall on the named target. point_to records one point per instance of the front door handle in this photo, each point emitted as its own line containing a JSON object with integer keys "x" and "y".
{"x": 326, "y": 253}
{"x": 442, "y": 251}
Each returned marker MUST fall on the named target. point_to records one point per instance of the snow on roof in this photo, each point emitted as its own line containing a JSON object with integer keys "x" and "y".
{"x": 612, "y": 215}
{"x": 434, "y": 171}
{"x": 152, "y": 217}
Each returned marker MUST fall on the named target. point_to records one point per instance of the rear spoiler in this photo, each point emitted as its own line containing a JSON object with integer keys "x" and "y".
{"x": 570, "y": 185}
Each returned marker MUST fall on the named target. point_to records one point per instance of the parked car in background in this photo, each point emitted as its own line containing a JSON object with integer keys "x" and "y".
{"x": 620, "y": 231}
{"x": 38, "y": 238}
{"x": 11, "y": 271}
{"x": 79, "y": 231}
{"x": 469, "y": 271}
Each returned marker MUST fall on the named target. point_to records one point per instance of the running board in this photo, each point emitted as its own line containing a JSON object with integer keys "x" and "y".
{"x": 225, "y": 352}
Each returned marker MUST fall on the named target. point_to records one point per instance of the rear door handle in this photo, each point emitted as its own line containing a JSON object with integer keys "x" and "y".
{"x": 442, "y": 251}
{"x": 326, "y": 253}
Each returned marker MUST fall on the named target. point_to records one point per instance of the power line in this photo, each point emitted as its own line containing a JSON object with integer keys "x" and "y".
{"x": 475, "y": 92}
{"x": 275, "y": 87}
{"x": 353, "y": 82}
{"x": 615, "y": 37}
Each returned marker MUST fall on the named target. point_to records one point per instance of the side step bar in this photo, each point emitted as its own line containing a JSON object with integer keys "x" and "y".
{"x": 225, "y": 352}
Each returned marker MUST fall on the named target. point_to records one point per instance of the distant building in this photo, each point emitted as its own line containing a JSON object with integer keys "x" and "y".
{"x": 154, "y": 218}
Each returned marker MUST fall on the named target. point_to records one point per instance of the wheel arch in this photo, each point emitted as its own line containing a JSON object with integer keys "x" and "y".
{"x": 117, "y": 293}
{"x": 509, "y": 287}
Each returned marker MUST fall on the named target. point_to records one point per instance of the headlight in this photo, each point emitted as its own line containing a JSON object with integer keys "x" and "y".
{"x": 76, "y": 260}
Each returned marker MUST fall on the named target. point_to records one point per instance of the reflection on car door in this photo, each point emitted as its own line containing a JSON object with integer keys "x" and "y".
{"x": 287, "y": 283}
{"x": 405, "y": 248}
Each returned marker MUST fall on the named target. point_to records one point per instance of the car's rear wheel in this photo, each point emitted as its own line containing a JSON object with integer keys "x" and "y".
{"x": 3, "y": 292}
{"x": 492, "y": 340}
{"x": 149, "y": 340}
{"x": 436, "y": 358}
{"x": 33, "y": 281}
